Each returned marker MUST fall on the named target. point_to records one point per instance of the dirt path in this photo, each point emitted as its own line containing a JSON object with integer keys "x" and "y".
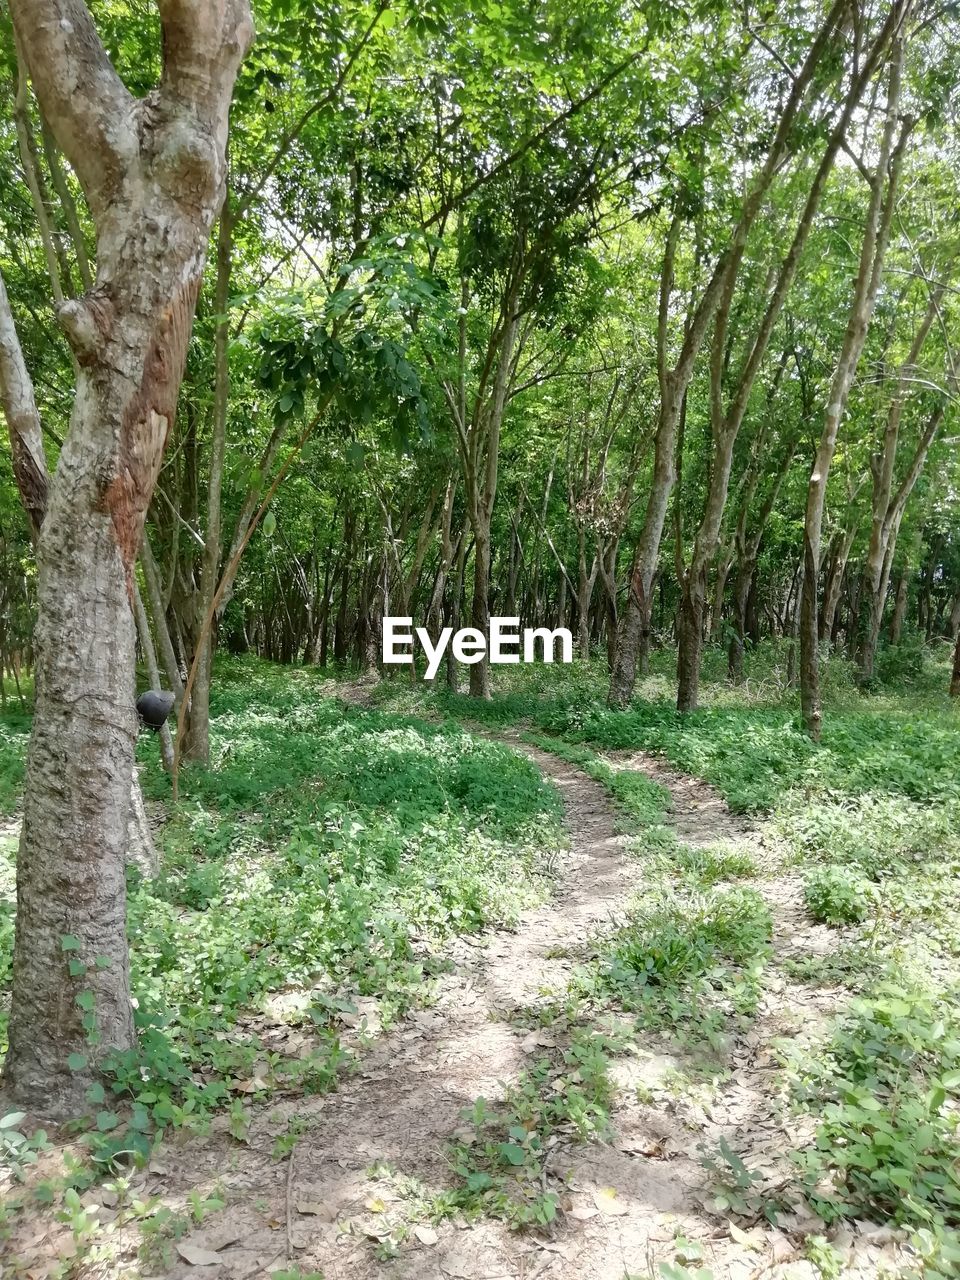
{"x": 624, "y": 1203}
{"x": 405, "y": 1103}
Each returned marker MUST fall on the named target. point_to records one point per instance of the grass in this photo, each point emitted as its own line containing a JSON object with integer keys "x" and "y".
{"x": 309, "y": 877}
{"x": 871, "y": 818}
{"x": 316, "y": 869}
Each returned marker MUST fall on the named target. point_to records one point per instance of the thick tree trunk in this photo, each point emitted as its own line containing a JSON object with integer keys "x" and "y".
{"x": 153, "y": 174}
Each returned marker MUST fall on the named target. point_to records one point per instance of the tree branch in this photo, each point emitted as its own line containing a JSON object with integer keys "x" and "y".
{"x": 90, "y": 112}
{"x": 23, "y": 419}
{"x": 203, "y": 45}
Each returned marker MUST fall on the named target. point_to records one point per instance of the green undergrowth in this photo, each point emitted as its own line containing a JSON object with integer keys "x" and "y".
{"x": 502, "y": 1152}
{"x": 14, "y": 732}
{"x": 310, "y": 878}
{"x": 870, "y": 818}
{"x": 642, "y": 801}
{"x": 746, "y": 740}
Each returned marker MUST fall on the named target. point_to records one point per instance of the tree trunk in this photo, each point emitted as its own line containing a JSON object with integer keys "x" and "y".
{"x": 873, "y": 248}
{"x": 674, "y": 382}
{"x": 690, "y": 640}
{"x": 153, "y": 174}
{"x": 197, "y": 737}
{"x": 899, "y": 606}
{"x": 715, "y": 617}
{"x": 480, "y": 613}
{"x": 633, "y": 643}
{"x": 955, "y": 674}
{"x": 738, "y": 621}
{"x": 340, "y": 638}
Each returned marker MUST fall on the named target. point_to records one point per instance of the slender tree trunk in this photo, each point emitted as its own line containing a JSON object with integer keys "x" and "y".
{"x": 835, "y": 578}
{"x": 456, "y": 596}
{"x": 715, "y": 618}
{"x": 675, "y": 381}
{"x": 955, "y": 674}
{"x": 340, "y": 637}
{"x": 875, "y": 237}
{"x": 480, "y": 613}
{"x": 197, "y": 738}
{"x": 738, "y": 620}
{"x": 633, "y": 645}
{"x": 899, "y": 606}
{"x": 690, "y": 640}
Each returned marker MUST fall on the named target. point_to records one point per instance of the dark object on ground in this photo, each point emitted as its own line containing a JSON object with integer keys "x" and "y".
{"x": 154, "y": 706}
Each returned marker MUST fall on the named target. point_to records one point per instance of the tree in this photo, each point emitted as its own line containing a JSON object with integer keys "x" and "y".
{"x": 876, "y": 235}
{"x": 152, "y": 171}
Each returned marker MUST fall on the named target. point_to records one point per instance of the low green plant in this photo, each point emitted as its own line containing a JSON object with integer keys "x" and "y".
{"x": 19, "y": 1150}
{"x": 827, "y": 1259}
{"x": 887, "y": 1091}
{"x": 713, "y": 864}
{"x": 838, "y": 895}
{"x": 501, "y": 1155}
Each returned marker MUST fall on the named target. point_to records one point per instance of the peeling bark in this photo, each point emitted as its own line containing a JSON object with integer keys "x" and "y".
{"x": 152, "y": 171}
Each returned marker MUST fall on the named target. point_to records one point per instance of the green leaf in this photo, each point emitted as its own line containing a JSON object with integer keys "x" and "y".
{"x": 69, "y": 943}
{"x": 12, "y": 1119}
{"x": 107, "y": 1120}
{"x": 76, "y": 1061}
{"x": 512, "y": 1153}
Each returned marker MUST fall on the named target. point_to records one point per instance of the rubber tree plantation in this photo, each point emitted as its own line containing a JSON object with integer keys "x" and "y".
{"x": 480, "y": 639}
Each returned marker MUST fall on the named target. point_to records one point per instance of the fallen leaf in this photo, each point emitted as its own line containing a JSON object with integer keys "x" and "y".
{"x": 537, "y": 1040}
{"x": 426, "y": 1235}
{"x": 198, "y": 1257}
{"x": 606, "y": 1201}
{"x": 749, "y": 1239}
{"x": 375, "y": 1206}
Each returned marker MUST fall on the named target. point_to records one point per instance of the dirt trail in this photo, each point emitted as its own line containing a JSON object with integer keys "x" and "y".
{"x": 404, "y": 1104}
